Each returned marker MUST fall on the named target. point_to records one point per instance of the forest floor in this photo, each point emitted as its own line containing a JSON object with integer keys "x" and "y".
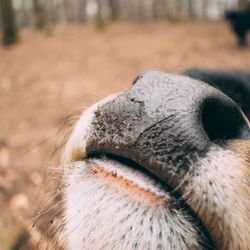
{"x": 55, "y": 74}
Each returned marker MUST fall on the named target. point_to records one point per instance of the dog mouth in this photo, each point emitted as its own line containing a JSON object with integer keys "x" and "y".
{"x": 130, "y": 178}
{"x": 133, "y": 180}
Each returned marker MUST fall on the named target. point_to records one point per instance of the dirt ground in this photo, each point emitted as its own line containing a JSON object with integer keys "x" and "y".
{"x": 55, "y": 74}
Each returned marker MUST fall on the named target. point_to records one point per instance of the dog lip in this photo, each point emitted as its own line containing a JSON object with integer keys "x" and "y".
{"x": 138, "y": 165}
{"x": 150, "y": 166}
{"x": 135, "y": 179}
{"x": 78, "y": 154}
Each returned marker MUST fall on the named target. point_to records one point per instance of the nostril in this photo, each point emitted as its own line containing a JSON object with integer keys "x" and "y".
{"x": 223, "y": 120}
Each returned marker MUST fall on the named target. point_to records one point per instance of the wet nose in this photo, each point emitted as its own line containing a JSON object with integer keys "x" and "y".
{"x": 166, "y": 119}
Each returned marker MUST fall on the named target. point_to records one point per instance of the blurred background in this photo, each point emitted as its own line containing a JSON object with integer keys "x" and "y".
{"x": 57, "y": 57}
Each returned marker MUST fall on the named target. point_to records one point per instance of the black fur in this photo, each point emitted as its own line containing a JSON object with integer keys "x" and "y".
{"x": 235, "y": 84}
{"x": 240, "y": 22}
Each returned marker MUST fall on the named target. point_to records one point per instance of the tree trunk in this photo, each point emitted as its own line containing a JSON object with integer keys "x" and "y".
{"x": 68, "y": 8}
{"x": 141, "y": 11}
{"x": 99, "y": 17}
{"x": 190, "y": 9}
{"x": 155, "y": 8}
{"x": 82, "y": 15}
{"x": 114, "y": 7}
{"x": 160, "y": 9}
{"x": 38, "y": 14}
{"x": 204, "y": 9}
{"x": 10, "y": 35}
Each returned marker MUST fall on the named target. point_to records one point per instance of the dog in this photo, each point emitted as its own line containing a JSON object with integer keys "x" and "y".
{"x": 240, "y": 23}
{"x": 164, "y": 165}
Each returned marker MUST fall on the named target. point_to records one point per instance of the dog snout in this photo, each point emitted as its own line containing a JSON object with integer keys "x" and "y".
{"x": 165, "y": 122}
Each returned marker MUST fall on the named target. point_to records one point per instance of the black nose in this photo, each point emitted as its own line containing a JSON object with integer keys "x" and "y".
{"x": 166, "y": 120}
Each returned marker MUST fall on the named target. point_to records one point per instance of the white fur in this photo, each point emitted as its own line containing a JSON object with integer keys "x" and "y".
{"x": 98, "y": 216}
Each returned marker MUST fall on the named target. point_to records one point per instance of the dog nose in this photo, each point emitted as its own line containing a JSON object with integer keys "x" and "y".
{"x": 166, "y": 119}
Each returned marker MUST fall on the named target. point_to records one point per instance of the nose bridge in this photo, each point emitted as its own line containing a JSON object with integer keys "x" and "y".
{"x": 172, "y": 99}
{"x": 166, "y": 93}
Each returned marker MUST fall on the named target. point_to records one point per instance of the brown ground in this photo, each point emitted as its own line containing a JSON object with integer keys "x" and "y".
{"x": 54, "y": 74}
